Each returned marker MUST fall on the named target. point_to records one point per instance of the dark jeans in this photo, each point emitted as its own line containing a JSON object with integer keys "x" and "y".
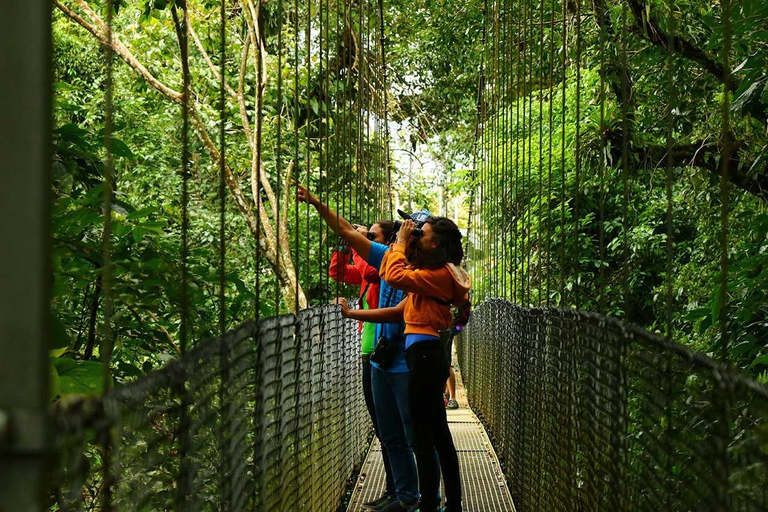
{"x": 390, "y": 394}
{"x": 429, "y": 371}
{"x": 368, "y": 393}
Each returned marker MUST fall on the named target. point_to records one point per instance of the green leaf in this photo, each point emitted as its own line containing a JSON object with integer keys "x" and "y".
{"x": 129, "y": 369}
{"x": 315, "y": 106}
{"x": 79, "y": 377}
{"x": 55, "y": 382}
{"x": 57, "y": 352}
{"x": 763, "y": 359}
{"x": 59, "y": 337}
{"x": 138, "y": 234}
{"x": 140, "y": 214}
{"x": 752, "y": 91}
{"x": 120, "y": 148}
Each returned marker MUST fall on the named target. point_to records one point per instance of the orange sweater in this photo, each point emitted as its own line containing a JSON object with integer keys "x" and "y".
{"x": 423, "y": 314}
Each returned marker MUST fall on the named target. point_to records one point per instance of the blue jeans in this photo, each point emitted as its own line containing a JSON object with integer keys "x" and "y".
{"x": 368, "y": 393}
{"x": 390, "y": 396}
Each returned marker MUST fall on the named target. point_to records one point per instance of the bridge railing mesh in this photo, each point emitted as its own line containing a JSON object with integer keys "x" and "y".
{"x": 589, "y": 414}
{"x": 270, "y": 416}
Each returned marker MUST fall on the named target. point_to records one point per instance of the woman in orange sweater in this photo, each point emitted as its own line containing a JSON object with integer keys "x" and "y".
{"x": 427, "y": 267}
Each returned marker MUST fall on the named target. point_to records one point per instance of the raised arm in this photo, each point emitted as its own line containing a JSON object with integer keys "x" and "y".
{"x": 396, "y": 272}
{"x": 336, "y": 222}
{"x": 379, "y": 316}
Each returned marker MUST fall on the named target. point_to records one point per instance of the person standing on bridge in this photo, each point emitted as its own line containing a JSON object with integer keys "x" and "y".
{"x": 390, "y": 380}
{"x": 367, "y": 277}
{"x": 427, "y": 267}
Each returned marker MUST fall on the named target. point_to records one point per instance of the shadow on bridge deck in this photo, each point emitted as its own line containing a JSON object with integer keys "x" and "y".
{"x": 483, "y": 485}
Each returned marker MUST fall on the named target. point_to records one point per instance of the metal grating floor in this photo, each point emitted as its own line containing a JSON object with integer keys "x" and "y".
{"x": 483, "y": 486}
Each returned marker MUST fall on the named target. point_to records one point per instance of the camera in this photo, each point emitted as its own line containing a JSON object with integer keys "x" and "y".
{"x": 419, "y": 218}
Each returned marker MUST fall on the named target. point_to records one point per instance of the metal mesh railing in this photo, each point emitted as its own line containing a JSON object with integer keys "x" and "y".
{"x": 589, "y": 414}
{"x": 269, "y": 417}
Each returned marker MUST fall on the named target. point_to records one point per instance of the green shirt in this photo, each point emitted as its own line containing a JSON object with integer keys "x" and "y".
{"x": 369, "y": 334}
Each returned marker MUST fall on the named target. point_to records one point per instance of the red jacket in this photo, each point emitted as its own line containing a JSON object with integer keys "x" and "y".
{"x": 358, "y": 273}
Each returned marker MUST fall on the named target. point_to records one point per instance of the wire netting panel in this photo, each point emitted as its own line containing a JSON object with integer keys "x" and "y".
{"x": 270, "y": 416}
{"x": 589, "y": 414}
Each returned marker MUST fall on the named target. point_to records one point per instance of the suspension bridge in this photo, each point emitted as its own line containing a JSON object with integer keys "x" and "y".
{"x": 573, "y": 407}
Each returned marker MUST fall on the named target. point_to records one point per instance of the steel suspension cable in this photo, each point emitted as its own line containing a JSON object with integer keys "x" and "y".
{"x": 495, "y": 160}
{"x": 296, "y": 156}
{"x": 107, "y": 336}
{"x": 225, "y": 459}
{"x": 563, "y": 198}
{"x": 258, "y": 451}
{"x": 577, "y": 150}
{"x": 506, "y": 147}
{"x": 625, "y": 85}
{"x": 185, "y": 470}
{"x": 601, "y": 163}
{"x": 523, "y": 202}
{"x": 382, "y": 38}
{"x": 671, "y": 109}
{"x": 725, "y": 169}
{"x": 539, "y": 208}
{"x": 549, "y": 150}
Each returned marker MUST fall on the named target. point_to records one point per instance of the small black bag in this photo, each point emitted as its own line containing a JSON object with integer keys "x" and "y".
{"x": 384, "y": 353}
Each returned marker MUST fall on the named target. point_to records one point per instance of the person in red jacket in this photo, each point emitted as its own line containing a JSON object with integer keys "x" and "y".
{"x": 358, "y": 272}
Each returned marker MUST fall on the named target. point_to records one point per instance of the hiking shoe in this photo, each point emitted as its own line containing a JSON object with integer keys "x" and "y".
{"x": 398, "y": 506}
{"x": 380, "y": 502}
{"x": 452, "y": 404}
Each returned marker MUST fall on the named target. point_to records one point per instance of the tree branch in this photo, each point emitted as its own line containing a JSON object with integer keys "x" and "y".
{"x": 207, "y": 58}
{"x": 647, "y": 27}
{"x": 99, "y": 30}
{"x": 706, "y": 155}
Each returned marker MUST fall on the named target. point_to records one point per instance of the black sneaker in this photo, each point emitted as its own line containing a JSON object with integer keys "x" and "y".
{"x": 382, "y": 501}
{"x": 397, "y": 506}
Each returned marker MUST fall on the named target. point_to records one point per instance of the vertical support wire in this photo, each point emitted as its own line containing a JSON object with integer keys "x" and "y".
{"x": 484, "y": 169}
{"x": 495, "y": 157}
{"x": 516, "y": 281}
{"x": 469, "y": 246}
{"x": 107, "y": 338}
{"x": 725, "y": 169}
{"x": 625, "y": 85}
{"x": 296, "y": 165}
{"x": 279, "y": 156}
{"x": 383, "y": 40}
{"x": 724, "y": 498}
{"x": 308, "y": 129}
{"x": 539, "y": 209}
{"x": 668, "y": 392}
{"x": 601, "y": 26}
{"x": 671, "y": 109}
{"x": 185, "y": 470}
{"x": 529, "y": 164}
{"x": 504, "y": 171}
{"x": 577, "y": 185}
{"x": 336, "y": 144}
{"x": 563, "y": 198}
{"x": 225, "y": 434}
{"x": 550, "y": 127}
{"x": 297, "y": 337}
{"x": 258, "y": 410}
{"x": 523, "y": 203}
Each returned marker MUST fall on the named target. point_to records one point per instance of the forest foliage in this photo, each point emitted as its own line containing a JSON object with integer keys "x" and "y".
{"x": 439, "y": 55}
